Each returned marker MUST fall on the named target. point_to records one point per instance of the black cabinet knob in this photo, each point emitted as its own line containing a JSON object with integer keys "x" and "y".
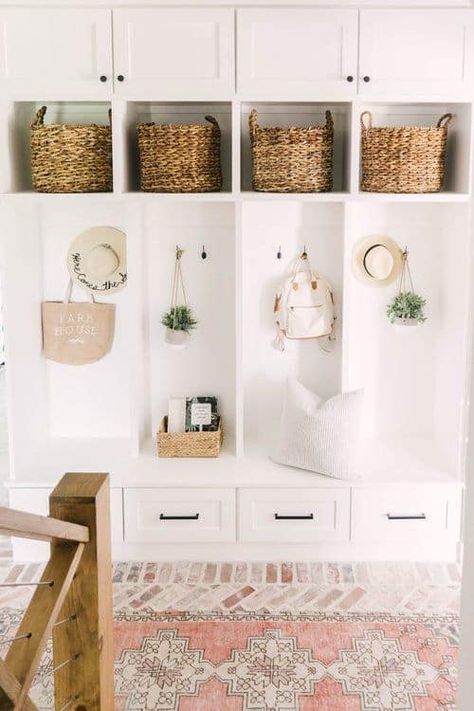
{"x": 120, "y": 77}
{"x": 366, "y": 78}
{"x": 350, "y": 78}
{"x": 103, "y": 77}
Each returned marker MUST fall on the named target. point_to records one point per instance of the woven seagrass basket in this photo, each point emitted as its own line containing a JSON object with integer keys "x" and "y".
{"x": 70, "y": 158}
{"x": 189, "y": 444}
{"x": 292, "y": 160}
{"x": 409, "y": 159}
{"x": 180, "y": 158}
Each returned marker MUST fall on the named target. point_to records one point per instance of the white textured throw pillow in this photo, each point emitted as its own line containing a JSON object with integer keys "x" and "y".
{"x": 318, "y": 435}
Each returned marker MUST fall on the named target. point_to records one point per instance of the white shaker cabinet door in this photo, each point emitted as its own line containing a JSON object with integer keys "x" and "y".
{"x": 54, "y": 53}
{"x": 297, "y": 53}
{"x": 416, "y": 52}
{"x": 174, "y": 53}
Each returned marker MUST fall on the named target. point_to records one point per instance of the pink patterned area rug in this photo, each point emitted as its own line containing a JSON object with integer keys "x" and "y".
{"x": 297, "y": 662}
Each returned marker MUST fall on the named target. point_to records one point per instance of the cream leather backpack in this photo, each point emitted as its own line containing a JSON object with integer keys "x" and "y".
{"x": 304, "y": 307}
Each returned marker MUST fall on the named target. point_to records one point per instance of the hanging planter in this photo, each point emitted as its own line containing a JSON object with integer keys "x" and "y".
{"x": 407, "y": 307}
{"x": 176, "y": 338}
{"x": 179, "y": 320}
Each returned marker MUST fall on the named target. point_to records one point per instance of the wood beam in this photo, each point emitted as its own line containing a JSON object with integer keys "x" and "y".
{"x": 85, "y": 499}
{"x": 10, "y": 689}
{"x": 41, "y": 528}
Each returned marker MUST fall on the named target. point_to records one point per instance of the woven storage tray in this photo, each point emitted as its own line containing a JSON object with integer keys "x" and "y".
{"x": 188, "y": 444}
{"x": 409, "y": 159}
{"x": 70, "y": 158}
{"x": 179, "y": 158}
{"x": 291, "y": 160}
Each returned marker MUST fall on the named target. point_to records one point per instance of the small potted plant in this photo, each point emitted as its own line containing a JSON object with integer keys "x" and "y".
{"x": 179, "y": 322}
{"x": 407, "y": 309}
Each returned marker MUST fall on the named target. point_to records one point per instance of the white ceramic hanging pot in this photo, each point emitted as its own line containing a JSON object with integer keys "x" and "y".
{"x": 403, "y": 323}
{"x": 179, "y": 339}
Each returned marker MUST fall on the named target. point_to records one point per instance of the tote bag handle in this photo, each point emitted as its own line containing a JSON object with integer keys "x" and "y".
{"x": 67, "y": 297}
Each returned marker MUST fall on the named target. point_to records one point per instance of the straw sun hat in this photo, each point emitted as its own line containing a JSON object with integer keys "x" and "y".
{"x": 97, "y": 260}
{"x": 377, "y": 260}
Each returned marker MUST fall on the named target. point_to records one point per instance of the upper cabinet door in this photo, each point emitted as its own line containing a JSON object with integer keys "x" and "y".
{"x": 416, "y": 52}
{"x": 297, "y": 53}
{"x": 53, "y": 53}
{"x": 183, "y": 53}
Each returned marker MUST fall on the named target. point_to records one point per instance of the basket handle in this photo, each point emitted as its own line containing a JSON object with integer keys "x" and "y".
{"x": 329, "y": 121}
{"x": 212, "y": 120}
{"x": 253, "y": 125}
{"x": 39, "y": 118}
{"x": 446, "y": 123}
{"x": 369, "y": 117}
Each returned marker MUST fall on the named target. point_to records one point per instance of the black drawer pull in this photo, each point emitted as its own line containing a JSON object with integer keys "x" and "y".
{"x": 192, "y": 517}
{"x": 419, "y": 517}
{"x": 304, "y": 517}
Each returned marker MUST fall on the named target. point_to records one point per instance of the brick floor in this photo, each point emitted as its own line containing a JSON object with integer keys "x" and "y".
{"x": 269, "y": 586}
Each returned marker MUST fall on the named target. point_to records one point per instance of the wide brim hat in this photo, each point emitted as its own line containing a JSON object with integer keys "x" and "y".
{"x": 377, "y": 260}
{"x": 97, "y": 260}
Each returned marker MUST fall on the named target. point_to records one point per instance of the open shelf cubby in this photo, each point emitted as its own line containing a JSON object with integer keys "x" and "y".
{"x": 301, "y": 114}
{"x": 207, "y": 365}
{"x": 459, "y": 147}
{"x": 414, "y": 379}
{"x": 65, "y": 416}
{"x": 291, "y": 227}
{"x": 19, "y": 115}
{"x": 183, "y": 112}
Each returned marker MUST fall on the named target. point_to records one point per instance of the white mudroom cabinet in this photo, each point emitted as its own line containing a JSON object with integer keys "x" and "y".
{"x": 147, "y": 61}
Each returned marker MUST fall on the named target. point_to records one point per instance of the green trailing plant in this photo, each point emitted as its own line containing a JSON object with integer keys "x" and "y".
{"x": 407, "y": 305}
{"x": 179, "y": 318}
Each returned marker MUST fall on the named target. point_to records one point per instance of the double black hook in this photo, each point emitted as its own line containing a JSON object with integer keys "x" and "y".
{"x": 180, "y": 251}
{"x": 304, "y": 254}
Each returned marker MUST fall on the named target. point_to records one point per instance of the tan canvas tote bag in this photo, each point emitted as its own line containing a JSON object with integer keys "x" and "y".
{"x": 77, "y": 333}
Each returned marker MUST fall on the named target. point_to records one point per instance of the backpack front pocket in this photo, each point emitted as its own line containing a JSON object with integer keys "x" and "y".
{"x": 308, "y": 322}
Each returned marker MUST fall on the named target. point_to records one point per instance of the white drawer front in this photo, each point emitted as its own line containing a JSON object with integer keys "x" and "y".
{"x": 406, "y": 513}
{"x": 294, "y": 515}
{"x": 179, "y": 515}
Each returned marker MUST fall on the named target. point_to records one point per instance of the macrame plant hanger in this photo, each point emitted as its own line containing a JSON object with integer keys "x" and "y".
{"x": 406, "y": 281}
{"x": 178, "y": 284}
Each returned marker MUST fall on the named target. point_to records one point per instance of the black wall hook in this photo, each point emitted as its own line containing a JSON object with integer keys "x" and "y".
{"x": 279, "y": 252}
{"x": 203, "y": 253}
{"x": 305, "y": 253}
